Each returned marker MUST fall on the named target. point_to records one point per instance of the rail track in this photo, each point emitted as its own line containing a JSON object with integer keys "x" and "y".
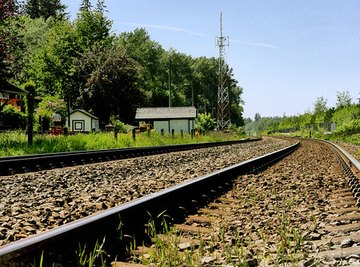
{"x": 239, "y": 207}
{"x": 21, "y": 164}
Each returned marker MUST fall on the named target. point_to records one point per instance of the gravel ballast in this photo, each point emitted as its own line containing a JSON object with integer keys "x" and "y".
{"x": 34, "y": 202}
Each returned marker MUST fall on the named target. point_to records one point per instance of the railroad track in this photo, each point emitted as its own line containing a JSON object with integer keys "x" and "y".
{"x": 323, "y": 231}
{"x": 21, "y": 164}
{"x": 283, "y": 215}
{"x": 58, "y": 245}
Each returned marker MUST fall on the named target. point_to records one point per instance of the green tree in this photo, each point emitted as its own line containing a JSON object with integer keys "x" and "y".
{"x": 343, "y": 99}
{"x": 92, "y": 27}
{"x": 204, "y": 84}
{"x": 320, "y": 108}
{"x": 85, "y": 5}
{"x": 10, "y": 41}
{"x": 44, "y": 9}
{"x": 320, "y": 105}
{"x": 149, "y": 54}
{"x": 110, "y": 83}
{"x": 49, "y": 105}
{"x": 51, "y": 62}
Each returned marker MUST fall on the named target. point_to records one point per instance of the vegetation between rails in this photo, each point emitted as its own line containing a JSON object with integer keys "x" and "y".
{"x": 14, "y": 143}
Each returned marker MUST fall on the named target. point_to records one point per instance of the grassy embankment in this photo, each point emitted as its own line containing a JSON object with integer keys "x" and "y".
{"x": 14, "y": 143}
{"x": 348, "y": 137}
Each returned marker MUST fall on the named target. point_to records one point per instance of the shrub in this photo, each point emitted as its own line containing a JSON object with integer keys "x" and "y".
{"x": 119, "y": 126}
{"x": 10, "y": 118}
{"x": 204, "y": 122}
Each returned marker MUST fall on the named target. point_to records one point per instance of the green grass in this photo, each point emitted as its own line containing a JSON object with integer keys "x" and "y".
{"x": 353, "y": 138}
{"x": 14, "y": 143}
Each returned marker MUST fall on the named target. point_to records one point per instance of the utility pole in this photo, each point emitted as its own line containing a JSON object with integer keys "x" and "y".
{"x": 170, "y": 81}
{"x": 223, "y": 102}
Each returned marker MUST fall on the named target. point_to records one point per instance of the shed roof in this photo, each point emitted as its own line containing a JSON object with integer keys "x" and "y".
{"x": 7, "y": 87}
{"x": 165, "y": 113}
{"x": 84, "y": 112}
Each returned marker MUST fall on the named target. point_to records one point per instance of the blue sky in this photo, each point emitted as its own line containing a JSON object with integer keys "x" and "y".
{"x": 285, "y": 53}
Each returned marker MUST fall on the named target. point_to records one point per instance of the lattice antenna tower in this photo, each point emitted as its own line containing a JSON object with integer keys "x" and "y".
{"x": 223, "y": 102}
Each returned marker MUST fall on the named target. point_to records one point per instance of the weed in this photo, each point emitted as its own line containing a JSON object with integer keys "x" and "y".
{"x": 94, "y": 258}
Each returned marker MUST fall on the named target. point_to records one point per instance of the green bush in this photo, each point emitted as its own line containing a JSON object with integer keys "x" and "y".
{"x": 349, "y": 127}
{"x": 119, "y": 126}
{"x": 204, "y": 122}
{"x": 10, "y": 118}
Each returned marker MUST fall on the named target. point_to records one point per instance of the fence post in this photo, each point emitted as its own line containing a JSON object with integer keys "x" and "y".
{"x": 30, "y": 119}
{"x": 173, "y": 133}
{"x": 182, "y": 133}
{"x": 134, "y": 134}
{"x": 162, "y": 132}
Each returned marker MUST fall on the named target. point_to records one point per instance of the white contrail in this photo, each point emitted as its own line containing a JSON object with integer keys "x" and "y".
{"x": 164, "y": 27}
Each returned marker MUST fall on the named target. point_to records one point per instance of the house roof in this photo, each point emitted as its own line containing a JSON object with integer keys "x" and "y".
{"x": 84, "y": 112}
{"x": 165, "y": 113}
{"x": 7, "y": 87}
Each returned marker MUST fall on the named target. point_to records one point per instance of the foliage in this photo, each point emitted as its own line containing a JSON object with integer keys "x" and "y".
{"x": 44, "y": 9}
{"x": 89, "y": 67}
{"x": 110, "y": 85}
{"x": 345, "y": 117}
{"x": 15, "y": 142}
{"x": 92, "y": 27}
{"x": 119, "y": 126}
{"x": 343, "y": 99}
{"x": 204, "y": 122}
{"x": 11, "y": 118}
{"x": 10, "y": 40}
{"x": 49, "y": 105}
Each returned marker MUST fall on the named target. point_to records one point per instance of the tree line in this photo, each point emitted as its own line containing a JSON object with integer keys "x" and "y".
{"x": 344, "y": 118}
{"x": 83, "y": 64}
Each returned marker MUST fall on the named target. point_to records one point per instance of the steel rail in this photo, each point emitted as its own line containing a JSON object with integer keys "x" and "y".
{"x": 59, "y": 245}
{"x": 20, "y": 164}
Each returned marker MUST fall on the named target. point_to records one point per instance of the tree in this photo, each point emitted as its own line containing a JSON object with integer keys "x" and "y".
{"x": 100, "y": 6}
{"x": 204, "y": 84}
{"x": 110, "y": 87}
{"x": 343, "y": 99}
{"x": 85, "y": 5}
{"x": 10, "y": 41}
{"x": 91, "y": 27}
{"x": 45, "y": 9}
{"x": 320, "y": 105}
{"x": 49, "y": 105}
{"x": 151, "y": 78}
{"x": 257, "y": 117}
{"x": 50, "y": 63}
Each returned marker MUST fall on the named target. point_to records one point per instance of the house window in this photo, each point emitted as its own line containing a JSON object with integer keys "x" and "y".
{"x": 78, "y": 125}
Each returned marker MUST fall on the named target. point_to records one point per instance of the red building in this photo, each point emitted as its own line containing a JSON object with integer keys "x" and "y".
{"x": 11, "y": 95}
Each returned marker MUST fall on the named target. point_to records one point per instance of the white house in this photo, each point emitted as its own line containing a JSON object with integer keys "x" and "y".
{"x": 82, "y": 121}
{"x": 168, "y": 118}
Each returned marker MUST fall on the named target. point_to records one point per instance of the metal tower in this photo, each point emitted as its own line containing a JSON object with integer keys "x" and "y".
{"x": 223, "y": 103}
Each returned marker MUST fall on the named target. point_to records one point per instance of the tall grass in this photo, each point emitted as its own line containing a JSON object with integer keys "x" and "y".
{"x": 13, "y": 143}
